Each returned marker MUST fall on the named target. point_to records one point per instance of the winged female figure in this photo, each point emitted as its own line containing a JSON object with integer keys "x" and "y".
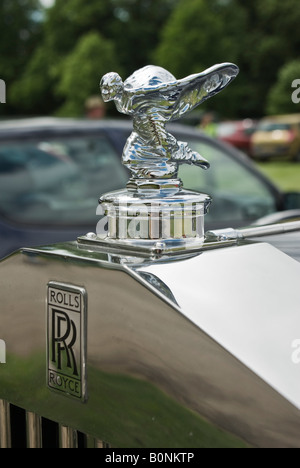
{"x": 152, "y": 96}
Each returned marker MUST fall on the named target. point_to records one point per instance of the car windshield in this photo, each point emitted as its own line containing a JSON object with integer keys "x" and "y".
{"x": 239, "y": 197}
{"x": 57, "y": 181}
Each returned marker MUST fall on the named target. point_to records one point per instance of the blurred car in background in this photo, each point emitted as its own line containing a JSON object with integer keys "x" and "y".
{"x": 237, "y": 133}
{"x": 277, "y": 137}
{"x": 52, "y": 172}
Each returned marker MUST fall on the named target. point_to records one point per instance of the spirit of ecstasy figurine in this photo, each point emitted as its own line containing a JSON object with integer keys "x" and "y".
{"x": 154, "y": 213}
{"x": 153, "y": 97}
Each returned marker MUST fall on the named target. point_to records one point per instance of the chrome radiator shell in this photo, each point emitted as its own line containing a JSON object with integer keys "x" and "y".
{"x": 165, "y": 336}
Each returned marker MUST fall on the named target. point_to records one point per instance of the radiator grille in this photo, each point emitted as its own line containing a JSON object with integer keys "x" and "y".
{"x": 23, "y": 429}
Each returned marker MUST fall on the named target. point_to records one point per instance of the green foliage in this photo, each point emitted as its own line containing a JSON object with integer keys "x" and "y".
{"x": 19, "y": 36}
{"x": 260, "y": 37}
{"x": 67, "y": 21}
{"x": 32, "y": 92}
{"x": 193, "y": 38}
{"x": 132, "y": 25}
{"x": 184, "y": 36}
{"x": 198, "y": 35}
{"x": 58, "y": 73}
{"x": 280, "y": 96}
{"x": 92, "y": 57}
{"x": 136, "y": 30}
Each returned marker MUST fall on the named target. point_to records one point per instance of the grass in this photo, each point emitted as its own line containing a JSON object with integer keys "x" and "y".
{"x": 286, "y": 175}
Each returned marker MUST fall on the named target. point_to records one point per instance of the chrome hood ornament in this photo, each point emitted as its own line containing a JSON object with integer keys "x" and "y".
{"x": 153, "y": 97}
{"x": 155, "y": 213}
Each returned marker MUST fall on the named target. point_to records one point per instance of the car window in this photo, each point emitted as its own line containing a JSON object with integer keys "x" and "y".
{"x": 239, "y": 196}
{"x": 270, "y": 126}
{"x": 57, "y": 181}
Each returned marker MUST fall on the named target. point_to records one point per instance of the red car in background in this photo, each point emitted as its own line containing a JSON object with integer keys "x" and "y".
{"x": 237, "y": 133}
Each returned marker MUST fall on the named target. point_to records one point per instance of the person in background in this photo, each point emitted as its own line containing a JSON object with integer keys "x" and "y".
{"x": 208, "y": 125}
{"x": 95, "y": 108}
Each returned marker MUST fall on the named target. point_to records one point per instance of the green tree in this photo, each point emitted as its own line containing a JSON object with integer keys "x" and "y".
{"x": 279, "y": 99}
{"x": 33, "y": 93}
{"x": 82, "y": 70}
{"x": 273, "y": 41}
{"x": 131, "y": 27}
{"x": 136, "y": 31}
{"x": 68, "y": 20}
{"x": 198, "y": 35}
{"x": 194, "y": 37}
{"x": 20, "y": 33}
{"x": 260, "y": 37}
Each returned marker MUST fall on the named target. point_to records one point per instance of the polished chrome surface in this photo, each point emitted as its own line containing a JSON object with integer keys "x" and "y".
{"x": 99, "y": 444}
{"x": 258, "y": 314}
{"x": 175, "y": 222}
{"x": 134, "y": 221}
{"x": 68, "y": 437}
{"x": 165, "y": 248}
{"x": 153, "y": 97}
{"x": 177, "y": 347}
{"x": 218, "y": 238}
{"x": 5, "y": 434}
{"x": 287, "y": 243}
{"x": 2, "y": 352}
{"x": 34, "y": 430}
{"x": 25, "y": 429}
{"x": 253, "y": 231}
{"x": 154, "y": 206}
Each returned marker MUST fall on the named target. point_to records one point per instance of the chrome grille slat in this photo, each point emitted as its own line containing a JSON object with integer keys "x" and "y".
{"x": 68, "y": 437}
{"x": 100, "y": 444}
{"x": 34, "y": 429}
{"x": 5, "y": 432}
{"x": 91, "y": 442}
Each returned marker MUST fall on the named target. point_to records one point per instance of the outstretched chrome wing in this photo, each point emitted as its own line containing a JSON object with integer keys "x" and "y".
{"x": 154, "y": 87}
{"x": 192, "y": 90}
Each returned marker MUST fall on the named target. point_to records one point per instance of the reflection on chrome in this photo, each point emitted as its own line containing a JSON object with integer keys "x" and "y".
{"x": 2, "y": 352}
{"x": 2, "y": 92}
{"x": 190, "y": 350}
{"x": 153, "y": 97}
